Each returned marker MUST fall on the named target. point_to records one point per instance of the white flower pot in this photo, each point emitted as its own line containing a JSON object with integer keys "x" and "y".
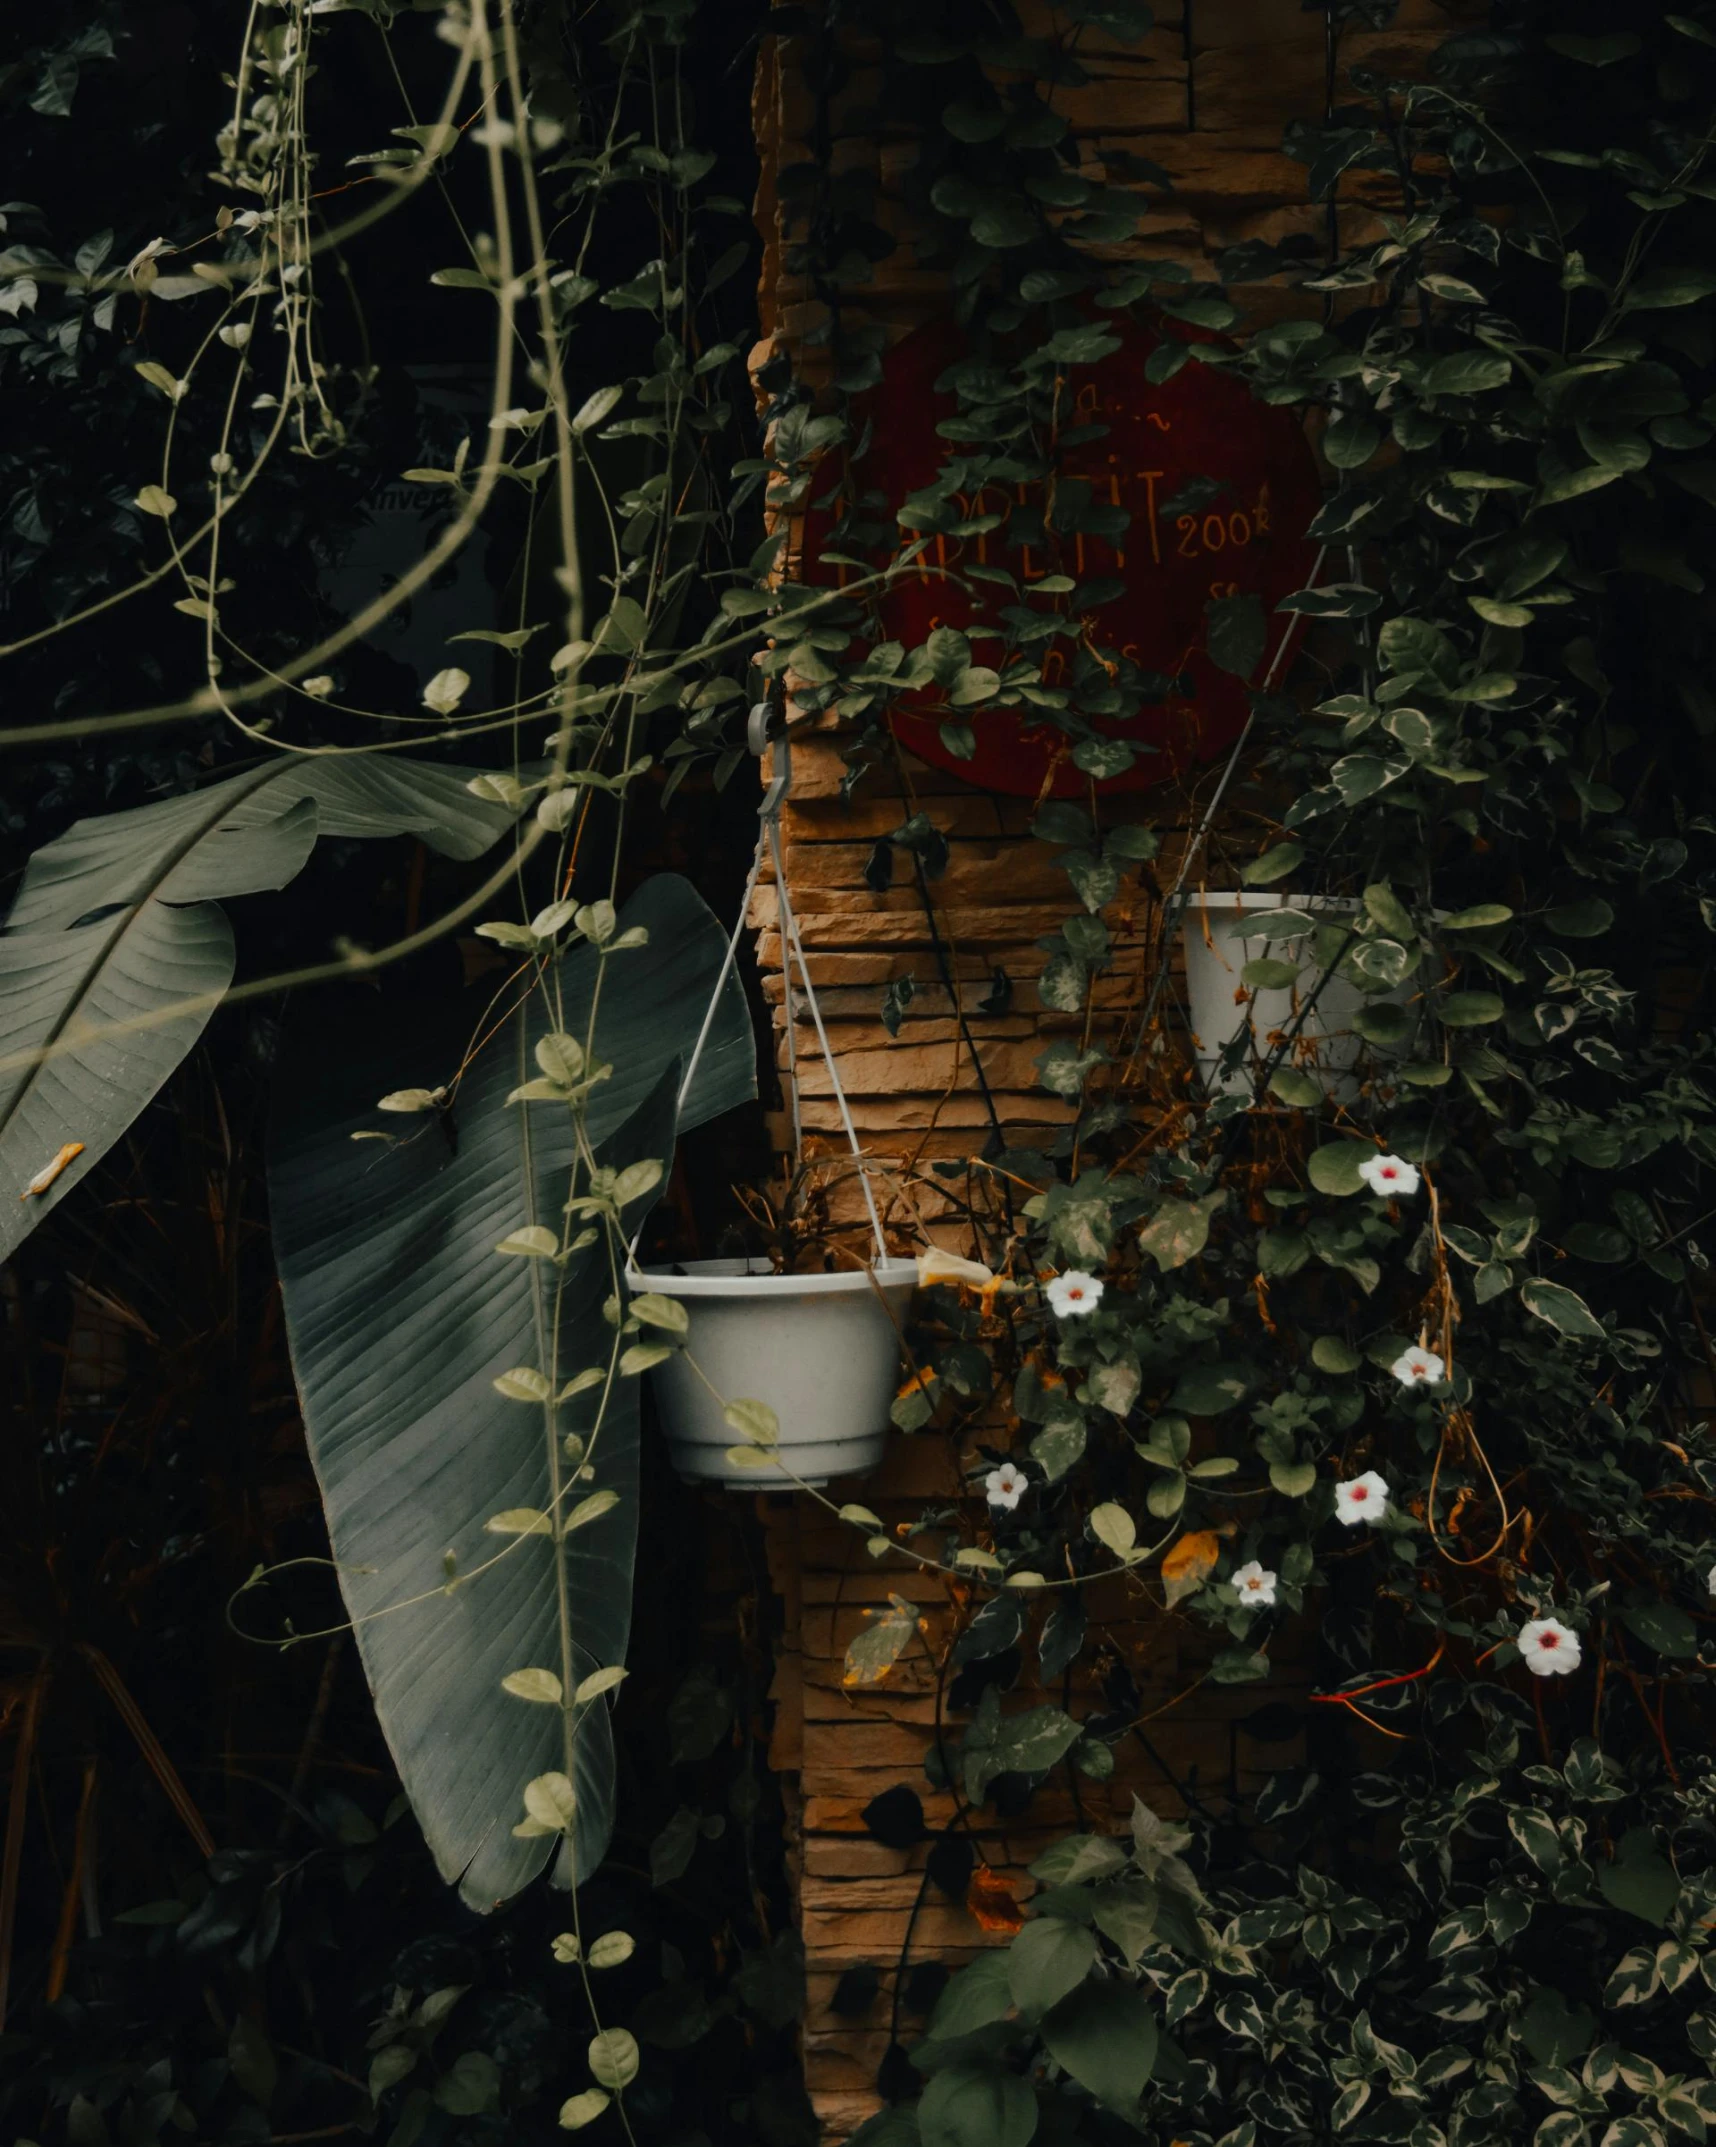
{"x": 823, "y": 1351}
{"x": 1218, "y": 945}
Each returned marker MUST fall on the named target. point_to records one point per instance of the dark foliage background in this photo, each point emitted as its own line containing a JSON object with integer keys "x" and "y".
{"x": 151, "y": 1457}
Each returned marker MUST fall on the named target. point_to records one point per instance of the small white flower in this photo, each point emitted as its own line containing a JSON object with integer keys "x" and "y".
{"x": 1418, "y": 1368}
{"x": 1006, "y": 1486}
{"x": 1255, "y": 1585}
{"x": 1389, "y": 1176}
{"x": 1361, "y": 1498}
{"x": 1710, "y": 1580}
{"x": 1075, "y": 1293}
{"x": 1547, "y": 1648}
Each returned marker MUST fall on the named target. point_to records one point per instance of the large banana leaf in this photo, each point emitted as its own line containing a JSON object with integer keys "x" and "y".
{"x": 401, "y": 1315}
{"x": 115, "y": 925}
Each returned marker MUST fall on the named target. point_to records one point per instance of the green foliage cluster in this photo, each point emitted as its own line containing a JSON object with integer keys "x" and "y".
{"x": 1445, "y": 1429}
{"x": 1491, "y": 826}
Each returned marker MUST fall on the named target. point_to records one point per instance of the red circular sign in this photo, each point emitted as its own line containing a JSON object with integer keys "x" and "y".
{"x": 1247, "y": 539}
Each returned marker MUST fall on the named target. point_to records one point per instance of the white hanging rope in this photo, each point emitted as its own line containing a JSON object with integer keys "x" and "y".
{"x": 1269, "y": 678}
{"x": 721, "y": 981}
{"x": 790, "y": 937}
{"x": 792, "y": 949}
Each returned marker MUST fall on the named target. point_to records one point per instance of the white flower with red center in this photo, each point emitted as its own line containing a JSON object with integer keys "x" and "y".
{"x": 1547, "y": 1648}
{"x": 1389, "y": 1177}
{"x": 1418, "y": 1368}
{"x": 1361, "y": 1498}
{"x": 1006, "y": 1486}
{"x": 1074, "y": 1294}
{"x": 1254, "y": 1584}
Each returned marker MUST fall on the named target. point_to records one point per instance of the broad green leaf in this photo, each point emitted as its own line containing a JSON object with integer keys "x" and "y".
{"x": 1273, "y": 865}
{"x": 1113, "y": 1525}
{"x": 1663, "y": 1626}
{"x": 1295, "y": 1089}
{"x": 1639, "y": 1879}
{"x": 1468, "y": 372}
{"x": 1059, "y": 1445}
{"x": 1536, "y": 1835}
{"x": 1468, "y": 1009}
{"x": 1105, "y": 2036}
{"x": 1179, "y": 1230}
{"x": 1479, "y": 918}
{"x": 975, "y": 1997}
{"x": 1050, "y": 1957}
{"x": 1208, "y": 1389}
{"x": 613, "y": 2057}
{"x": 977, "y": 2106}
{"x": 1564, "y": 1309}
{"x": 1385, "y": 907}
{"x": 1334, "y": 1168}
{"x": 1554, "y": 2033}
{"x": 594, "y": 408}
{"x": 400, "y": 1316}
{"x": 1596, "y": 52}
{"x": 598, "y": 1682}
{"x": 539, "y": 1685}
{"x": 656, "y": 1311}
{"x": 87, "y": 1028}
{"x": 755, "y": 1420}
{"x": 1580, "y": 920}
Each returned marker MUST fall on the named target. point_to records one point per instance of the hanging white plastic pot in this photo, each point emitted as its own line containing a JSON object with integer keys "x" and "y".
{"x": 1222, "y": 932}
{"x": 823, "y": 1351}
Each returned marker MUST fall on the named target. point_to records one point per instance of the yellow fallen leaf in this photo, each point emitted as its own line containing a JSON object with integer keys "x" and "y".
{"x": 1190, "y": 1563}
{"x": 937, "y": 1266}
{"x": 50, "y": 1171}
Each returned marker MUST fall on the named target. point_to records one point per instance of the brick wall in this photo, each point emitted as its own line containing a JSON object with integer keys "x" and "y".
{"x": 1207, "y": 99}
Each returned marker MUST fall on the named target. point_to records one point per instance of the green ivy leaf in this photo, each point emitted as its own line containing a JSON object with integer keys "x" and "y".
{"x": 1208, "y": 1389}
{"x": 1564, "y": 1309}
{"x": 1236, "y": 634}
{"x": 973, "y": 1998}
{"x": 1275, "y": 864}
{"x": 1639, "y": 1880}
{"x": 1059, "y": 1445}
{"x": 1298, "y": 1090}
{"x": 1386, "y": 909}
{"x": 1106, "y": 2038}
{"x": 1049, "y": 1958}
{"x": 977, "y": 2106}
{"x": 1334, "y": 1168}
{"x": 1180, "y": 1229}
{"x": 1594, "y": 51}
{"x": 1663, "y": 1626}
{"x": 1469, "y": 1009}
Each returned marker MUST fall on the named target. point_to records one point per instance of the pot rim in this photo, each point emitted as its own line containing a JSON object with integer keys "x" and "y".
{"x": 699, "y": 1282}
{"x": 1249, "y": 898}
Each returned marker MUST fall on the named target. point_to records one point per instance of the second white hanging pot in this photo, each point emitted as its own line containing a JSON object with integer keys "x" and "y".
{"x": 1221, "y": 933}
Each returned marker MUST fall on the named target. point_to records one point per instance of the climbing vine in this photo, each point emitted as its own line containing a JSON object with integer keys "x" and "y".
{"x": 1368, "y": 1343}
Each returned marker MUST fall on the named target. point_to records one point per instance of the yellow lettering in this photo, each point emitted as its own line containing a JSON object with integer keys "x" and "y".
{"x": 1150, "y": 477}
